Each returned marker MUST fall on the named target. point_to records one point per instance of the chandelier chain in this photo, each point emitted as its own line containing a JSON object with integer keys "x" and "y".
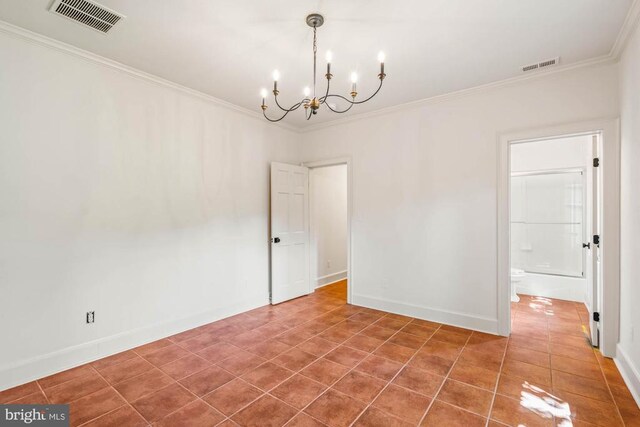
{"x": 315, "y": 50}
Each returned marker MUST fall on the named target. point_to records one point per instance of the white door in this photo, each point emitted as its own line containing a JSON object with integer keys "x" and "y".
{"x": 289, "y": 232}
{"x": 595, "y": 247}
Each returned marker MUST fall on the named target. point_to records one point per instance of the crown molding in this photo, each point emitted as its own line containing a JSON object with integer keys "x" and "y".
{"x": 39, "y": 39}
{"x": 536, "y": 75}
{"x": 628, "y": 28}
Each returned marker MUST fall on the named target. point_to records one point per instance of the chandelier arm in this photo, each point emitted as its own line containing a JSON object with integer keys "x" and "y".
{"x": 337, "y": 111}
{"x": 357, "y": 102}
{"x": 264, "y": 113}
{"x": 293, "y": 107}
{"x": 323, "y": 99}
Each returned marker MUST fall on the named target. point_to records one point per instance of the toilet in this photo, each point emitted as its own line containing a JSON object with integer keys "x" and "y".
{"x": 517, "y": 275}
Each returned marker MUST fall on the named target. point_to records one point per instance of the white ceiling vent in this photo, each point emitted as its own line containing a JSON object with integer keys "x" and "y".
{"x": 87, "y": 13}
{"x": 539, "y": 65}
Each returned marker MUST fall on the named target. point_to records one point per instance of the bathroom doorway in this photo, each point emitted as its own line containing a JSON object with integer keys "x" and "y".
{"x": 555, "y": 272}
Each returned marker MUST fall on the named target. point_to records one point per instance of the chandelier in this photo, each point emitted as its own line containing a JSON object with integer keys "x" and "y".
{"x": 312, "y": 104}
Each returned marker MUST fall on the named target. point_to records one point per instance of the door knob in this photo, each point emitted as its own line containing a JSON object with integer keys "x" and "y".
{"x": 276, "y": 240}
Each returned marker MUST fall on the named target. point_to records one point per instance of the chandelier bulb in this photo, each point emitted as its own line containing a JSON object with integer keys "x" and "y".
{"x": 263, "y": 93}
{"x": 307, "y": 91}
{"x": 354, "y": 77}
{"x": 276, "y": 75}
{"x": 329, "y": 56}
{"x": 381, "y": 56}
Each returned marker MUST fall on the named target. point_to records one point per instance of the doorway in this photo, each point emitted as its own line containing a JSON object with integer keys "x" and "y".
{"x": 603, "y": 296}
{"x": 554, "y": 227}
{"x": 328, "y": 215}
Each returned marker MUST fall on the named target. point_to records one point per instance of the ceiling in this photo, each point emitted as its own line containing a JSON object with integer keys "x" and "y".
{"x": 229, "y": 48}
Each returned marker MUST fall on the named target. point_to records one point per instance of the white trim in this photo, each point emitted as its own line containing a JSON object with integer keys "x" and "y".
{"x": 38, "y": 39}
{"x": 476, "y": 323}
{"x": 630, "y": 373}
{"x": 21, "y": 372}
{"x": 628, "y": 27}
{"x": 334, "y": 162}
{"x": 610, "y": 156}
{"x": 330, "y": 279}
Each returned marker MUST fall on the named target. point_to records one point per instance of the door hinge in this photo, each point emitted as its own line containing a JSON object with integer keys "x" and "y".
{"x": 596, "y": 239}
{"x": 596, "y": 162}
{"x": 596, "y": 316}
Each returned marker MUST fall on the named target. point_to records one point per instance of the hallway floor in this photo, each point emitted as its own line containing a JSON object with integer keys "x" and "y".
{"x": 316, "y": 361}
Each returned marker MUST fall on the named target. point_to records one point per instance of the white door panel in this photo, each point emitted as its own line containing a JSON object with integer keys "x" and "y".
{"x": 289, "y": 232}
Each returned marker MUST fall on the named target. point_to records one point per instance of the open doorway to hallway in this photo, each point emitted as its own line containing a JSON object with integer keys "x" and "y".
{"x": 555, "y": 223}
{"x": 328, "y": 209}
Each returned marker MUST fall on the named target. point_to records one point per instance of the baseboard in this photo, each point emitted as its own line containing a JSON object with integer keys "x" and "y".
{"x": 629, "y": 372}
{"x": 40, "y": 366}
{"x": 476, "y": 323}
{"x": 331, "y": 278}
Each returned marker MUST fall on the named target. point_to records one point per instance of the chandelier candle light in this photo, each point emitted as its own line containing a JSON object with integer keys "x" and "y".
{"x": 312, "y": 104}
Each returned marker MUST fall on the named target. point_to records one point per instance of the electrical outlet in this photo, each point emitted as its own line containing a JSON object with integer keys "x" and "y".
{"x": 91, "y": 316}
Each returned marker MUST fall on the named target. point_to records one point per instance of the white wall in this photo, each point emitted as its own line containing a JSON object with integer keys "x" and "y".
{"x": 629, "y": 347}
{"x": 563, "y": 153}
{"x": 425, "y": 190}
{"x": 328, "y": 208}
{"x": 144, "y": 203}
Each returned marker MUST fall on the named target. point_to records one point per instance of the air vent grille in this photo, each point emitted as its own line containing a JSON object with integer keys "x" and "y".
{"x": 543, "y": 64}
{"x": 87, "y": 13}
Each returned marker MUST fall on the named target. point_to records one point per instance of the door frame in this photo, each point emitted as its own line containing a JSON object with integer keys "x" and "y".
{"x": 337, "y": 162}
{"x": 609, "y": 128}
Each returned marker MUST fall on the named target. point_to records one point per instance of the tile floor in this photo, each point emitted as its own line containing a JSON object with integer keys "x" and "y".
{"x": 316, "y": 361}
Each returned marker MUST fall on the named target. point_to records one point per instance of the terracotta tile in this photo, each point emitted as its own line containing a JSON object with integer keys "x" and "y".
{"x": 76, "y": 388}
{"x": 378, "y": 332}
{"x": 629, "y": 410}
{"x": 267, "y": 376}
{"x": 218, "y": 352}
{"x": 363, "y": 343}
{"x": 241, "y": 362}
{"x": 166, "y": 355}
{"x": 346, "y": 356}
{"x": 424, "y": 332}
{"x": 186, "y": 335}
{"x": 64, "y": 376}
{"x": 443, "y": 414}
{"x": 530, "y": 343}
{"x": 298, "y": 391}
{"x": 379, "y": 367}
{"x": 516, "y": 388}
{"x": 532, "y": 357}
{"x": 247, "y": 339}
{"x": 374, "y": 417}
{"x": 514, "y": 413}
{"x": 112, "y": 360}
{"x": 294, "y": 359}
{"x": 206, "y": 380}
{"x": 392, "y": 323}
{"x": 125, "y": 370}
{"x": 395, "y": 352}
{"x": 324, "y": 371}
{"x": 444, "y": 350}
{"x": 195, "y": 414}
{"x": 576, "y": 367}
{"x": 360, "y": 386}
{"x": 269, "y": 348}
{"x": 582, "y": 408}
{"x": 18, "y": 392}
{"x": 232, "y": 396}
{"x": 572, "y": 352}
{"x": 295, "y": 336}
{"x": 533, "y": 373}
{"x": 317, "y": 346}
{"x": 335, "y": 409}
{"x": 37, "y": 398}
{"x": 304, "y": 420}
{"x": 152, "y": 346}
{"x": 402, "y": 403}
{"x": 265, "y": 412}
{"x": 137, "y": 387}
{"x": 483, "y": 359}
{"x": 337, "y": 334}
{"x": 94, "y": 405}
{"x": 477, "y": 376}
{"x": 184, "y": 367}
{"x": 464, "y": 396}
{"x": 419, "y": 380}
{"x": 595, "y": 389}
{"x": 123, "y": 416}
{"x": 199, "y": 342}
{"x": 161, "y": 403}
{"x": 450, "y": 337}
{"x": 366, "y": 317}
{"x": 426, "y": 323}
{"x": 431, "y": 363}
